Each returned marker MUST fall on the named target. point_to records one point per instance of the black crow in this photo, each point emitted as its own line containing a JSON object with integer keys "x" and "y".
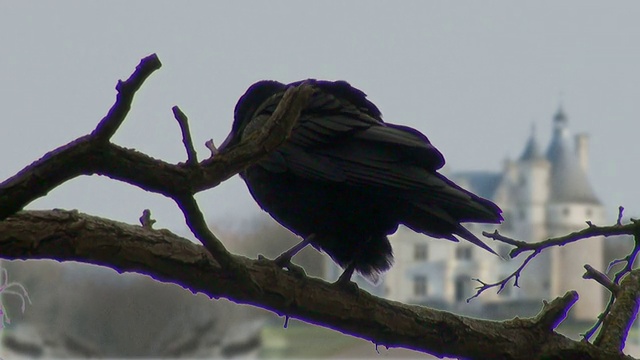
{"x": 345, "y": 179}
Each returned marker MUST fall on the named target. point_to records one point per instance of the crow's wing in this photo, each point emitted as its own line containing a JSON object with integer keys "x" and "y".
{"x": 340, "y": 136}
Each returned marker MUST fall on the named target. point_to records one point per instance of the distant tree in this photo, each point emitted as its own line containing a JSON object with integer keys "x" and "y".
{"x": 79, "y": 310}
{"x": 213, "y": 270}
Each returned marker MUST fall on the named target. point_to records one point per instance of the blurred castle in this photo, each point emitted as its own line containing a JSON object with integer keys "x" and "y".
{"x": 542, "y": 195}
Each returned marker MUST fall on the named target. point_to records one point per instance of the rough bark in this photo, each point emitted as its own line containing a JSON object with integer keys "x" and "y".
{"x": 69, "y": 235}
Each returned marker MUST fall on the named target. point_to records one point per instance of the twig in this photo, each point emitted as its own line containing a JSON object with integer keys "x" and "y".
{"x": 629, "y": 261}
{"x": 620, "y": 211}
{"x": 519, "y": 245}
{"x": 502, "y": 283}
{"x": 601, "y": 278}
{"x": 212, "y": 147}
{"x": 590, "y": 231}
{"x": 126, "y": 90}
{"x": 145, "y": 220}
{"x": 536, "y": 247}
{"x": 183, "y": 121}
{"x": 586, "y": 336}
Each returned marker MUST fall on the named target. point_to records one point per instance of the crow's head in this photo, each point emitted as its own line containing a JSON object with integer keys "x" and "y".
{"x": 246, "y": 107}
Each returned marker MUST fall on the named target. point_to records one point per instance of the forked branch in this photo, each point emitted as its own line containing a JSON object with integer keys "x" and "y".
{"x": 621, "y": 308}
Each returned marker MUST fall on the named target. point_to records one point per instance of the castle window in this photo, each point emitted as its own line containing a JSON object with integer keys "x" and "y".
{"x": 462, "y": 288}
{"x": 420, "y": 285}
{"x": 522, "y": 214}
{"x": 463, "y": 252}
{"x": 420, "y": 252}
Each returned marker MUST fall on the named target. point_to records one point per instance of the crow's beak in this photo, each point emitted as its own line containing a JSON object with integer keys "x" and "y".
{"x": 227, "y": 141}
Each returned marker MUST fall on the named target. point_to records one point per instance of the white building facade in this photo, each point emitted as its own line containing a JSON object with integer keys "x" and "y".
{"x": 542, "y": 194}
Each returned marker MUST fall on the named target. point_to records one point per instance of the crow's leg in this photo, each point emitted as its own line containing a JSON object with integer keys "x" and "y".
{"x": 345, "y": 278}
{"x": 284, "y": 260}
{"x": 344, "y": 281}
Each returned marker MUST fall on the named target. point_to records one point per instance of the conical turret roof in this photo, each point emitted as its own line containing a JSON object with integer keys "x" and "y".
{"x": 569, "y": 182}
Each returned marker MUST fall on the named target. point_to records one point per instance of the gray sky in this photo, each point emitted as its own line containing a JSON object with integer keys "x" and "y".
{"x": 473, "y": 76}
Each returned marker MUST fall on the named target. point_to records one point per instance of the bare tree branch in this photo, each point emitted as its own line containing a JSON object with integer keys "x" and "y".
{"x": 90, "y": 155}
{"x": 589, "y": 232}
{"x": 69, "y": 235}
{"x": 198, "y": 226}
{"x": 126, "y": 90}
{"x": 614, "y": 336}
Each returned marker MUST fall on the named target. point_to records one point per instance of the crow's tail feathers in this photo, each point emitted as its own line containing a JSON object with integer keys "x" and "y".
{"x": 467, "y": 235}
{"x": 445, "y": 222}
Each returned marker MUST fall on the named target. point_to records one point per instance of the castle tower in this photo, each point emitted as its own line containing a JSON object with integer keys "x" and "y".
{"x": 571, "y": 203}
{"x": 530, "y": 215}
{"x": 532, "y": 191}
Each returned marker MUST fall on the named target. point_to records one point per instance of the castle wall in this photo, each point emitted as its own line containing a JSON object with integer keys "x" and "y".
{"x": 567, "y": 264}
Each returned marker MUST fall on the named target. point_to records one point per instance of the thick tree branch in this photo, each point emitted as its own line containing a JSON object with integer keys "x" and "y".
{"x": 618, "y": 332}
{"x": 616, "y": 324}
{"x": 69, "y": 235}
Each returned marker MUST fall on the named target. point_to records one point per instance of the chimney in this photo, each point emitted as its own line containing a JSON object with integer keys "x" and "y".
{"x": 582, "y": 150}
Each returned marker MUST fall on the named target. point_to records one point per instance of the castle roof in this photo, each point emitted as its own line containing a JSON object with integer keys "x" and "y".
{"x": 569, "y": 182}
{"x": 481, "y": 183}
{"x": 531, "y": 150}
